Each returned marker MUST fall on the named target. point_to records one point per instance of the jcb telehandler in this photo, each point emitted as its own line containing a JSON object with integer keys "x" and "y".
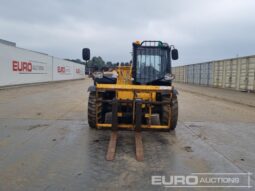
{"x": 137, "y": 97}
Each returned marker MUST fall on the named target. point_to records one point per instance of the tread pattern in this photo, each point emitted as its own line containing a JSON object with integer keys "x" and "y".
{"x": 174, "y": 111}
{"x": 92, "y": 110}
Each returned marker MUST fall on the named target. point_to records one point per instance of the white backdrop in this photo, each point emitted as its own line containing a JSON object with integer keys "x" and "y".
{"x": 62, "y": 69}
{"x": 20, "y": 66}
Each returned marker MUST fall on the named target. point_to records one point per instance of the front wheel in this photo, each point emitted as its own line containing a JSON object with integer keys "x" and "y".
{"x": 174, "y": 111}
{"x": 92, "y": 110}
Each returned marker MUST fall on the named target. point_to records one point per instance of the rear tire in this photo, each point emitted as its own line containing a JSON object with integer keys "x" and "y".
{"x": 92, "y": 110}
{"x": 174, "y": 111}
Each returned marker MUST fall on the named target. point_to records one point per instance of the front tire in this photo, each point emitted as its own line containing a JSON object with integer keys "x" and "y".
{"x": 174, "y": 111}
{"x": 92, "y": 110}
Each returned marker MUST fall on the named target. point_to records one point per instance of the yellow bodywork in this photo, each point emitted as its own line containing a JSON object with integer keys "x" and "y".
{"x": 125, "y": 90}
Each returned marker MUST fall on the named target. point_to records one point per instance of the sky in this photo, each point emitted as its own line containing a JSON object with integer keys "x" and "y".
{"x": 201, "y": 30}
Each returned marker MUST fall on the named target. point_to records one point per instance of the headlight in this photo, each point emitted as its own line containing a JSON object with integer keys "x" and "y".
{"x": 169, "y": 77}
{"x": 98, "y": 75}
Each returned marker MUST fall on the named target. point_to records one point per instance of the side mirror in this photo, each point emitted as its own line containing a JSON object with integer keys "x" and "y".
{"x": 175, "y": 54}
{"x": 86, "y": 54}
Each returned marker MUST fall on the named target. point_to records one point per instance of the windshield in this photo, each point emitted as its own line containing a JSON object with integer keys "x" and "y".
{"x": 151, "y": 64}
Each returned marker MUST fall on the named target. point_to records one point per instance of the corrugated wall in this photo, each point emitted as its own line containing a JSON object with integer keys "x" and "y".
{"x": 206, "y": 75}
{"x": 235, "y": 73}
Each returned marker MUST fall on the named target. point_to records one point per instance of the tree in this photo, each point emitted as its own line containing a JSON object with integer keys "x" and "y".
{"x": 109, "y": 64}
{"x": 96, "y": 62}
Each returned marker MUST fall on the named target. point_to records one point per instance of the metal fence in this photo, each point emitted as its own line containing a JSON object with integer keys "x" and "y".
{"x": 235, "y": 73}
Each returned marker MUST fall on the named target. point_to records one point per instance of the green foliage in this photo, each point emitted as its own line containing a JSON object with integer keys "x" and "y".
{"x": 96, "y": 62}
{"x": 109, "y": 64}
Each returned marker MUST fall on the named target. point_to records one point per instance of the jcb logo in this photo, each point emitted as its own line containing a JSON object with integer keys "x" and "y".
{"x": 21, "y": 66}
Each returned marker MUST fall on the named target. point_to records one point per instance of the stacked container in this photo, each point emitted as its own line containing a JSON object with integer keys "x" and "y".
{"x": 235, "y": 73}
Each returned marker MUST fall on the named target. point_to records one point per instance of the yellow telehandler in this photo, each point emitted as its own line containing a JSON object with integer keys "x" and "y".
{"x": 139, "y": 96}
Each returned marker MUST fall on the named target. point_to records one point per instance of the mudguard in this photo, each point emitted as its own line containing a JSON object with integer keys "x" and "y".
{"x": 175, "y": 92}
{"x": 92, "y": 89}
